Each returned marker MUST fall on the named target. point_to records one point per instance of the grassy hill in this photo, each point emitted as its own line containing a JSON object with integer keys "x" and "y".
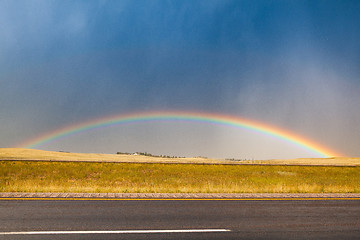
{"x": 32, "y": 154}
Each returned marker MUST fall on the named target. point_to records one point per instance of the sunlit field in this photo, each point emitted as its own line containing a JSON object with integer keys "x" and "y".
{"x": 31, "y": 154}
{"x": 28, "y": 176}
{"x": 27, "y": 170}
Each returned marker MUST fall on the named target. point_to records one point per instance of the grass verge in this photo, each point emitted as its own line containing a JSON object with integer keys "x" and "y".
{"x": 25, "y": 176}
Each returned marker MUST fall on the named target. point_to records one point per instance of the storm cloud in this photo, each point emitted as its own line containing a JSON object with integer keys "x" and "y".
{"x": 291, "y": 64}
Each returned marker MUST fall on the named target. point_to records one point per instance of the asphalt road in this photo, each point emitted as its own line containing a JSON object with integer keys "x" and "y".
{"x": 259, "y": 219}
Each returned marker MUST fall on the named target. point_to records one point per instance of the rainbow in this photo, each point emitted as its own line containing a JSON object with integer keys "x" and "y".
{"x": 209, "y": 118}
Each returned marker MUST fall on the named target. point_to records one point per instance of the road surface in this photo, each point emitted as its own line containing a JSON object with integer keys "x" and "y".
{"x": 187, "y": 219}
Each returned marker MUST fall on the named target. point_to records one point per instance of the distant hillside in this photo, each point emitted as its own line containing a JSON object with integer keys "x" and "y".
{"x": 32, "y": 154}
{"x": 41, "y": 155}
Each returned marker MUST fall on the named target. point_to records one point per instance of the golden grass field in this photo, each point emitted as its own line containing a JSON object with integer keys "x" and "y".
{"x": 126, "y": 173}
{"x": 31, "y": 154}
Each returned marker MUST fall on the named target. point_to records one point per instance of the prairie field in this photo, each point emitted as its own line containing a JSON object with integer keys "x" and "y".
{"x": 41, "y": 155}
{"x": 45, "y": 176}
{"x": 28, "y": 170}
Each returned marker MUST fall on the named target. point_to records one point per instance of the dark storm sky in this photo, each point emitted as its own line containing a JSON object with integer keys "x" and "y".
{"x": 293, "y": 64}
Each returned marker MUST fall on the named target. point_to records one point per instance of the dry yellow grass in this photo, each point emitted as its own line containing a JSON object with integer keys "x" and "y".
{"x": 46, "y": 176}
{"x": 337, "y": 161}
{"x": 31, "y": 154}
{"x": 82, "y": 172}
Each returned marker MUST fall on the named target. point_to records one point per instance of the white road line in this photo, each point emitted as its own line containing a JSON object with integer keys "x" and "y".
{"x": 116, "y": 232}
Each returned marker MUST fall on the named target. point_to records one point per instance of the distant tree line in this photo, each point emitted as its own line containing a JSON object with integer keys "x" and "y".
{"x": 235, "y": 159}
{"x": 149, "y": 154}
